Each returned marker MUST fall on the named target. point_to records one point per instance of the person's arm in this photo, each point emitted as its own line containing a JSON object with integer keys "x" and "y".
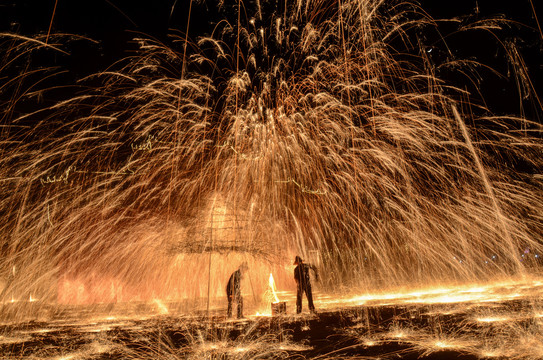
{"x": 314, "y": 268}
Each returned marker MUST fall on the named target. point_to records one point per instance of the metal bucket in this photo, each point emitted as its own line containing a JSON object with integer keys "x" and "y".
{"x": 279, "y": 308}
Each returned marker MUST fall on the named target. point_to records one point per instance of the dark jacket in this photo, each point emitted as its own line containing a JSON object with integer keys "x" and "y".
{"x": 233, "y": 288}
{"x": 301, "y": 275}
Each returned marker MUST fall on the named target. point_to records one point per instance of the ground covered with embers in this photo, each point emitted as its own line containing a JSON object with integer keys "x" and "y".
{"x": 477, "y": 329}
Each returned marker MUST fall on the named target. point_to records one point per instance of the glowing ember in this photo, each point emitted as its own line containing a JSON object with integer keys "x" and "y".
{"x": 67, "y": 357}
{"x": 492, "y": 292}
{"x": 369, "y": 342}
{"x": 493, "y": 319}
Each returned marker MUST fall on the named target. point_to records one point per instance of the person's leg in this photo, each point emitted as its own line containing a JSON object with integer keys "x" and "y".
{"x": 299, "y": 293}
{"x": 309, "y": 295}
{"x": 240, "y": 307}
{"x": 229, "y": 311}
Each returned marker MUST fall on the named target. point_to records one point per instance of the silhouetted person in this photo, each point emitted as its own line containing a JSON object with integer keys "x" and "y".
{"x": 233, "y": 290}
{"x": 303, "y": 283}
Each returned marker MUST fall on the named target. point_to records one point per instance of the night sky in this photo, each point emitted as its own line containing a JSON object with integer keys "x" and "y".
{"x": 113, "y": 23}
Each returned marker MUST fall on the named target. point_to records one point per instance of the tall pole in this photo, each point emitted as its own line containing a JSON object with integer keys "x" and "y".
{"x": 210, "y": 255}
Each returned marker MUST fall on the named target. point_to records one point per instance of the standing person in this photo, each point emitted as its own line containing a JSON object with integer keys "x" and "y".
{"x": 303, "y": 284}
{"x": 233, "y": 290}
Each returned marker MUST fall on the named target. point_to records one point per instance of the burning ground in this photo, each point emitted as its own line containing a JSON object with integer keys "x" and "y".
{"x": 492, "y": 321}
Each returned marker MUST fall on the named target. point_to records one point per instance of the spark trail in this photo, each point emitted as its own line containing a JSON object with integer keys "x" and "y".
{"x": 290, "y": 128}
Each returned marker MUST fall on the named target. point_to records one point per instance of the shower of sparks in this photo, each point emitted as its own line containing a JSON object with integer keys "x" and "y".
{"x": 292, "y": 129}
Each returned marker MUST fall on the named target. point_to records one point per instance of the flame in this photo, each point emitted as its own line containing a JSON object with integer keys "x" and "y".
{"x": 163, "y": 309}
{"x": 272, "y": 288}
{"x": 270, "y": 296}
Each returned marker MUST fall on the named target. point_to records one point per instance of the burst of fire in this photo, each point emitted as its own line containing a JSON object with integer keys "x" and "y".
{"x": 272, "y": 289}
{"x": 270, "y": 297}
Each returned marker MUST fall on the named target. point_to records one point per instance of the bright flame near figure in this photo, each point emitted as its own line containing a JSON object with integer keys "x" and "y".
{"x": 268, "y": 299}
{"x": 272, "y": 288}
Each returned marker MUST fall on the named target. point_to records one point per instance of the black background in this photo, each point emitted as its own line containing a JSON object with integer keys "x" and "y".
{"x": 113, "y": 23}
